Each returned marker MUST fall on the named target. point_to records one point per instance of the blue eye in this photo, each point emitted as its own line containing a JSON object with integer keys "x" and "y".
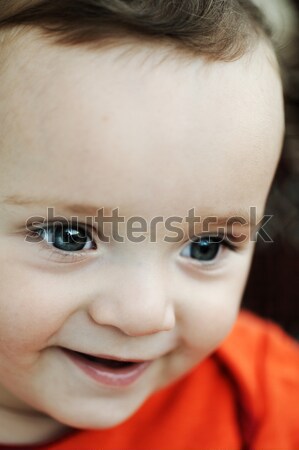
{"x": 66, "y": 237}
{"x": 206, "y": 248}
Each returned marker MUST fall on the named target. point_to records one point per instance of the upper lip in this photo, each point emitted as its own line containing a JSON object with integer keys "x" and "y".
{"x": 111, "y": 357}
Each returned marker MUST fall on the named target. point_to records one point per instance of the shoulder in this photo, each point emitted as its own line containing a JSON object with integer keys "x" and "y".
{"x": 259, "y": 341}
{"x": 264, "y": 361}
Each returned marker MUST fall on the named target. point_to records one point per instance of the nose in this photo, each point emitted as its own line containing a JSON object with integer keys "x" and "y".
{"x": 136, "y": 303}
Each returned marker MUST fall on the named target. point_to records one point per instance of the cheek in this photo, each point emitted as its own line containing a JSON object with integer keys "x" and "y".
{"x": 211, "y": 307}
{"x": 32, "y": 308}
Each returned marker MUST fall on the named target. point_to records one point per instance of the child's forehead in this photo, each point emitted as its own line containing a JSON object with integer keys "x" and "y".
{"x": 130, "y": 131}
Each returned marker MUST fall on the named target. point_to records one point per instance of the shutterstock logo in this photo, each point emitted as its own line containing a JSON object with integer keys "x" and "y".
{"x": 137, "y": 229}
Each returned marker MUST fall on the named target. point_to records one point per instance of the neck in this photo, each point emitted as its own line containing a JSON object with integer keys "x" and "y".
{"x": 28, "y": 428}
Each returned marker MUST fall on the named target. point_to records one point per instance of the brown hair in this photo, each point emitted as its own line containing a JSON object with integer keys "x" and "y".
{"x": 216, "y": 29}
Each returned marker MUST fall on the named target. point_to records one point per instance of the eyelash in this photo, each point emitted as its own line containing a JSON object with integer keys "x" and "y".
{"x": 66, "y": 256}
{"x": 223, "y": 242}
{"x": 74, "y": 256}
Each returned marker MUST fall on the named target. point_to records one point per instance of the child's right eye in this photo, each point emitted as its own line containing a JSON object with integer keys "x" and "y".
{"x": 67, "y": 238}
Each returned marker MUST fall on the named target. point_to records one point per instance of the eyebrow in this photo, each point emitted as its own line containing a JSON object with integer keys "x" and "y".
{"x": 73, "y": 208}
{"x": 88, "y": 209}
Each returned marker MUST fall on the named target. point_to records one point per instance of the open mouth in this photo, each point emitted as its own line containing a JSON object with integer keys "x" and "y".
{"x": 108, "y": 371}
{"x": 109, "y": 363}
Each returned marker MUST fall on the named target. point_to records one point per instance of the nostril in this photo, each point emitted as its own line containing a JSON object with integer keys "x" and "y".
{"x": 133, "y": 315}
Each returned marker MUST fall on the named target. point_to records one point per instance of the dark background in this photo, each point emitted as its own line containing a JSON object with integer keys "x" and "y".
{"x": 273, "y": 286}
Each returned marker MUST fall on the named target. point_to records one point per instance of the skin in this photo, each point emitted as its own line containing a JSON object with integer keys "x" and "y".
{"x": 104, "y": 128}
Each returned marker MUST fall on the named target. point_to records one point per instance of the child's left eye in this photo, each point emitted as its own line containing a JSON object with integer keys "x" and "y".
{"x": 205, "y": 249}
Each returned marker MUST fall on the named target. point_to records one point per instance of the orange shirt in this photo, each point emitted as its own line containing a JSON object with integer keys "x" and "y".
{"x": 243, "y": 397}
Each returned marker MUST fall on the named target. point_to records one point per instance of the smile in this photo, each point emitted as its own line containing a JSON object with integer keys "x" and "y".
{"x": 108, "y": 370}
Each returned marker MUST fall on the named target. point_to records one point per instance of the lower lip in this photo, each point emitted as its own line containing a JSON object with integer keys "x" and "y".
{"x": 104, "y": 375}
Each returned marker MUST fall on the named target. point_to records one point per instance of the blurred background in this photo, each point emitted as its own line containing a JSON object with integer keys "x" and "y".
{"x": 273, "y": 286}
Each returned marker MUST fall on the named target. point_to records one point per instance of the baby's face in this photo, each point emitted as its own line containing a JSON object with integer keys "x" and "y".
{"x": 84, "y": 128}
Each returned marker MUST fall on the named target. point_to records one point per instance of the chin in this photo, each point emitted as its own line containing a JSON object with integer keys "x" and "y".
{"x": 102, "y": 417}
